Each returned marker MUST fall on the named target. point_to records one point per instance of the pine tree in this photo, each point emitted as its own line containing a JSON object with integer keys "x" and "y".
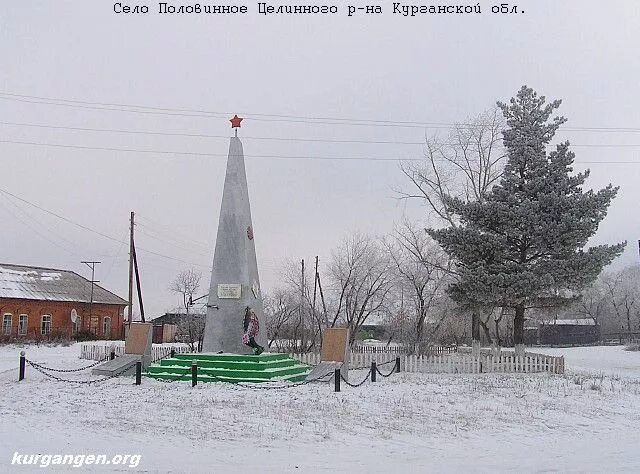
{"x": 523, "y": 246}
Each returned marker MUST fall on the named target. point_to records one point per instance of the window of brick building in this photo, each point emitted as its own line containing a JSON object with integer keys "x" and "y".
{"x": 23, "y": 323}
{"x": 6, "y": 324}
{"x": 77, "y": 325}
{"x": 45, "y": 327}
{"x": 106, "y": 327}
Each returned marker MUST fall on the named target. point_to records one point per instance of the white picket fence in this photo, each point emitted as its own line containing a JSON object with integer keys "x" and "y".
{"x": 455, "y": 363}
{"x": 101, "y": 350}
{"x": 506, "y": 362}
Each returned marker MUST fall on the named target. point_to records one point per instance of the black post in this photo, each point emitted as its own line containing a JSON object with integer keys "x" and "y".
{"x": 113, "y": 354}
{"x": 194, "y": 373}
{"x": 173, "y": 353}
{"x": 336, "y": 380}
{"x": 398, "y": 364}
{"x": 23, "y": 364}
{"x": 373, "y": 370}
{"x": 138, "y": 373}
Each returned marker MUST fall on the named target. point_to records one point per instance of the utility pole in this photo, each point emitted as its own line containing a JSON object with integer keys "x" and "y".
{"x": 135, "y": 266}
{"x": 92, "y": 266}
{"x": 302, "y": 338}
{"x": 324, "y": 306}
{"x": 130, "y": 311}
{"x": 315, "y": 287}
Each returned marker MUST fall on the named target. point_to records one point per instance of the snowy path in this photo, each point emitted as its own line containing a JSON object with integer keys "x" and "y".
{"x": 408, "y": 423}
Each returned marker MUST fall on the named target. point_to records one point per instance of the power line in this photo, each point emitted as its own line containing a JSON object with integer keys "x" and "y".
{"x": 161, "y": 229}
{"x": 141, "y": 109}
{"x": 284, "y": 139}
{"x": 188, "y": 153}
{"x": 36, "y": 230}
{"x": 203, "y": 135}
{"x": 173, "y": 243}
{"x": 89, "y": 229}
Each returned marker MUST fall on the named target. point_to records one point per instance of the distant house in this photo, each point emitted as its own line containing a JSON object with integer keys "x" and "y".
{"x": 562, "y": 332}
{"x": 38, "y": 302}
{"x": 178, "y": 318}
{"x": 178, "y": 326}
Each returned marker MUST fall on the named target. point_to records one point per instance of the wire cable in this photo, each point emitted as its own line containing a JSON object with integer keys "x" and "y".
{"x": 266, "y": 117}
{"x": 89, "y": 229}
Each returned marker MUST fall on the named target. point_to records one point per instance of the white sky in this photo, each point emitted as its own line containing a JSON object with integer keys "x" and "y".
{"x": 441, "y": 68}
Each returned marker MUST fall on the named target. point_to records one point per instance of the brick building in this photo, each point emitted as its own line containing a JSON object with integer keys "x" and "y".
{"x": 43, "y": 303}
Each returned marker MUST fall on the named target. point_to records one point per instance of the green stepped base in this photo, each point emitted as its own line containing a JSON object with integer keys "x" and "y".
{"x": 231, "y": 368}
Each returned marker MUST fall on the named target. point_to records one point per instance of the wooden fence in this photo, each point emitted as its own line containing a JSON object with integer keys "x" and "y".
{"x": 428, "y": 350}
{"x": 93, "y": 351}
{"x": 450, "y": 363}
{"x": 372, "y": 349}
{"x": 506, "y": 362}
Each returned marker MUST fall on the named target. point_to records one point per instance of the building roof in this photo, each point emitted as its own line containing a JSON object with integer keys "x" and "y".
{"x": 570, "y": 322}
{"x": 48, "y": 284}
{"x": 176, "y": 318}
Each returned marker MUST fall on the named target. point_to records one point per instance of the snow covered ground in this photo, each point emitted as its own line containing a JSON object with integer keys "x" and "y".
{"x": 584, "y": 421}
{"x": 610, "y": 360}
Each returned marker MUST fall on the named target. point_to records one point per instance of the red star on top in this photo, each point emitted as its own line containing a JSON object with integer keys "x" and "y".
{"x": 235, "y": 121}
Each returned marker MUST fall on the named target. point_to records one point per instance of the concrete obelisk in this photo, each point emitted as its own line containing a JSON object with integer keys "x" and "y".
{"x": 234, "y": 276}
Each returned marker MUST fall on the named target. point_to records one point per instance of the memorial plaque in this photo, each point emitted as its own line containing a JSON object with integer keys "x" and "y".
{"x": 335, "y": 345}
{"x": 138, "y": 339}
{"x": 229, "y": 290}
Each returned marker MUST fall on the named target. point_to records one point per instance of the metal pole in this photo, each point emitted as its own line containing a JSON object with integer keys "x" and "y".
{"x": 23, "y": 364}
{"x": 137, "y": 273}
{"x": 373, "y": 370}
{"x": 398, "y": 364}
{"x": 130, "y": 313}
{"x": 92, "y": 266}
{"x": 336, "y": 380}
{"x": 315, "y": 287}
{"x": 302, "y": 338}
{"x": 138, "y": 373}
{"x": 194, "y": 373}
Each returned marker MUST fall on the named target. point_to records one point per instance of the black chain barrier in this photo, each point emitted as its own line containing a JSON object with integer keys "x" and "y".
{"x": 236, "y": 385}
{"x": 166, "y": 356}
{"x": 356, "y": 385}
{"x": 80, "y": 369}
{"x": 182, "y": 377}
{"x": 59, "y": 379}
{"x": 262, "y": 386}
{"x": 362, "y": 367}
{"x": 393, "y": 371}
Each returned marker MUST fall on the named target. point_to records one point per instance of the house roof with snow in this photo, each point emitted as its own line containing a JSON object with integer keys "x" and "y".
{"x": 48, "y": 284}
{"x": 570, "y": 322}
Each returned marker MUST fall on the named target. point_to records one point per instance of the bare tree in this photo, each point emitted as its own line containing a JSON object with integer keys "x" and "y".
{"x": 422, "y": 273}
{"x": 466, "y": 164}
{"x": 361, "y": 275}
{"x": 281, "y": 309}
{"x": 186, "y": 284}
{"x": 291, "y": 315}
{"x": 594, "y": 302}
{"x": 623, "y": 288}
